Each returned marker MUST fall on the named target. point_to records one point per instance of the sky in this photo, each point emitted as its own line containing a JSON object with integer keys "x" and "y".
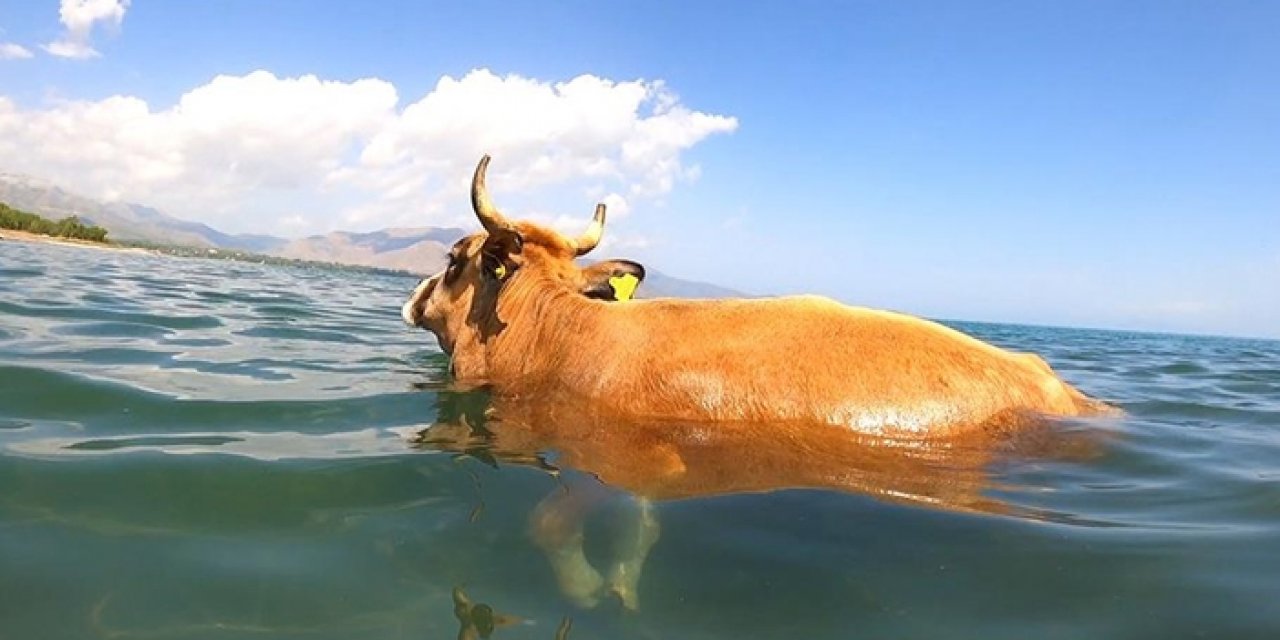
{"x": 1079, "y": 163}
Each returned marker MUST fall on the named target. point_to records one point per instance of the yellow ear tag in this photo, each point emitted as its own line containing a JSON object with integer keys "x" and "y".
{"x": 624, "y": 286}
{"x": 500, "y": 272}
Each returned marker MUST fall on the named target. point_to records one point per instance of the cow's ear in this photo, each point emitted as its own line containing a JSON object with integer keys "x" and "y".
{"x": 612, "y": 280}
{"x": 499, "y": 255}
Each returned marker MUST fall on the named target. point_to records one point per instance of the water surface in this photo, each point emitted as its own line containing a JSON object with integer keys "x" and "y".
{"x": 207, "y": 449}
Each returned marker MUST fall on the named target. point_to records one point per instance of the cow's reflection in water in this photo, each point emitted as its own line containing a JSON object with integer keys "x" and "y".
{"x": 650, "y": 462}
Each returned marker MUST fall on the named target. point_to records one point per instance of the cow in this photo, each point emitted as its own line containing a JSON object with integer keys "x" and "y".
{"x": 517, "y": 314}
{"x": 780, "y": 392}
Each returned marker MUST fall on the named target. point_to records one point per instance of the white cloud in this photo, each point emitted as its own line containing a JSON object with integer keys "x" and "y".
{"x": 11, "y": 51}
{"x": 617, "y": 206}
{"x": 624, "y": 243}
{"x": 79, "y": 18}
{"x": 70, "y": 49}
{"x": 255, "y": 152}
{"x": 627, "y": 134}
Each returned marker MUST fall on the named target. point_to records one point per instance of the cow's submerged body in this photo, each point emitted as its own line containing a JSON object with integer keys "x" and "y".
{"x": 519, "y": 316}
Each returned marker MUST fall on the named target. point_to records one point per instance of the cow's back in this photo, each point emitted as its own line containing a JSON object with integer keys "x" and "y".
{"x": 811, "y": 358}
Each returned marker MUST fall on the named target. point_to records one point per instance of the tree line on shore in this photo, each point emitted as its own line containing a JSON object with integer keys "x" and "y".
{"x": 69, "y": 227}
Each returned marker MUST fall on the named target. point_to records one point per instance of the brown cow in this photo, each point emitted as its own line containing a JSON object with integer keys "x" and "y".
{"x": 516, "y": 314}
{"x": 620, "y": 387}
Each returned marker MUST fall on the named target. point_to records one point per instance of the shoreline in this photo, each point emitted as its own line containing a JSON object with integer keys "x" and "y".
{"x": 37, "y": 238}
{"x": 199, "y": 253}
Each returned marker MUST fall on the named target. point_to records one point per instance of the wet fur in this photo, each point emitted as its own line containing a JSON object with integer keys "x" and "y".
{"x": 801, "y": 358}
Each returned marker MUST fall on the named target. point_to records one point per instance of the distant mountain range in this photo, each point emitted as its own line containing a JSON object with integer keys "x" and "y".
{"x": 420, "y": 250}
{"x": 415, "y": 250}
{"x": 123, "y": 221}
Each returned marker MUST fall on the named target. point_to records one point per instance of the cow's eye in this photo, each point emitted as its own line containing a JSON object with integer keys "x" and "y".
{"x": 453, "y": 269}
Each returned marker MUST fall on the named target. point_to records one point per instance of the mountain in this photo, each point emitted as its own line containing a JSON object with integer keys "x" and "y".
{"x": 661, "y": 285}
{"x": 124, "y": 221}
{"x": 419, "y": 251}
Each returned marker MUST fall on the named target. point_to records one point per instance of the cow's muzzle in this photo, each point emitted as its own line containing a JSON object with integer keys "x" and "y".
{"x": 413, "y": 309}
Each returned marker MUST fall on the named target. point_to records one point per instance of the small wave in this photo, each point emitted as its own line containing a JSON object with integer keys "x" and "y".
{"x": 80, "y": 313}
{"x": 289, "y": 333}
{"x": 40, "y": 394}
{"x": 20, "y": 272}
{"x": 112, "y": 330}
{"x": 1203, "y": 413}
{"x": 160, "y": 442}
{"x": 1183, "y": 369}
{"x": 266, "y": 446}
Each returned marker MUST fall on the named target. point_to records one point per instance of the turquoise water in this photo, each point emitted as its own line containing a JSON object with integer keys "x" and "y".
{"x": 207, "y": 449}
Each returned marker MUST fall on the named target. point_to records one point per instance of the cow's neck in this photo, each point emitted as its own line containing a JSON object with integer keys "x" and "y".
{"x": 540, "y": 330}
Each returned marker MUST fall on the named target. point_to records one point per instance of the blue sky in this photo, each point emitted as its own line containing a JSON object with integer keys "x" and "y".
{"x": 1075, "y": 163}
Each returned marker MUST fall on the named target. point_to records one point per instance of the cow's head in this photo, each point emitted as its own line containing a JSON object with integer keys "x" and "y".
{"x": 510, "y": 258}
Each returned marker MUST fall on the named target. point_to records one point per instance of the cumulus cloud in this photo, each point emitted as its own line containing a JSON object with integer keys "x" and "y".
{"x": 263, "y": 153}
{"x": 79, "y": 17}
{"x": 12, "y": 51}
{"x": 609, "y": 134}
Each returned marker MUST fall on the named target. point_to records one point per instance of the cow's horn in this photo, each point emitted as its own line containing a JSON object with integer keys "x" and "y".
{"x": 492, "y": 219}
{"x": 588, "y": 241}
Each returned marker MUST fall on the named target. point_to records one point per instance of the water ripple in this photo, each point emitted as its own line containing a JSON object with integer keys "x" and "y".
{"x": 210, "y": 448}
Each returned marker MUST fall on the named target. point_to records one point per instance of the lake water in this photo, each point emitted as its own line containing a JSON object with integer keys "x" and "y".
{"x": 211, "y": 449}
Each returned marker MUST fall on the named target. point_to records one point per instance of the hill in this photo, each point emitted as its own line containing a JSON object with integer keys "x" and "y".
{"x": 124, "y": 221}
{"x": 419, "y": 251}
